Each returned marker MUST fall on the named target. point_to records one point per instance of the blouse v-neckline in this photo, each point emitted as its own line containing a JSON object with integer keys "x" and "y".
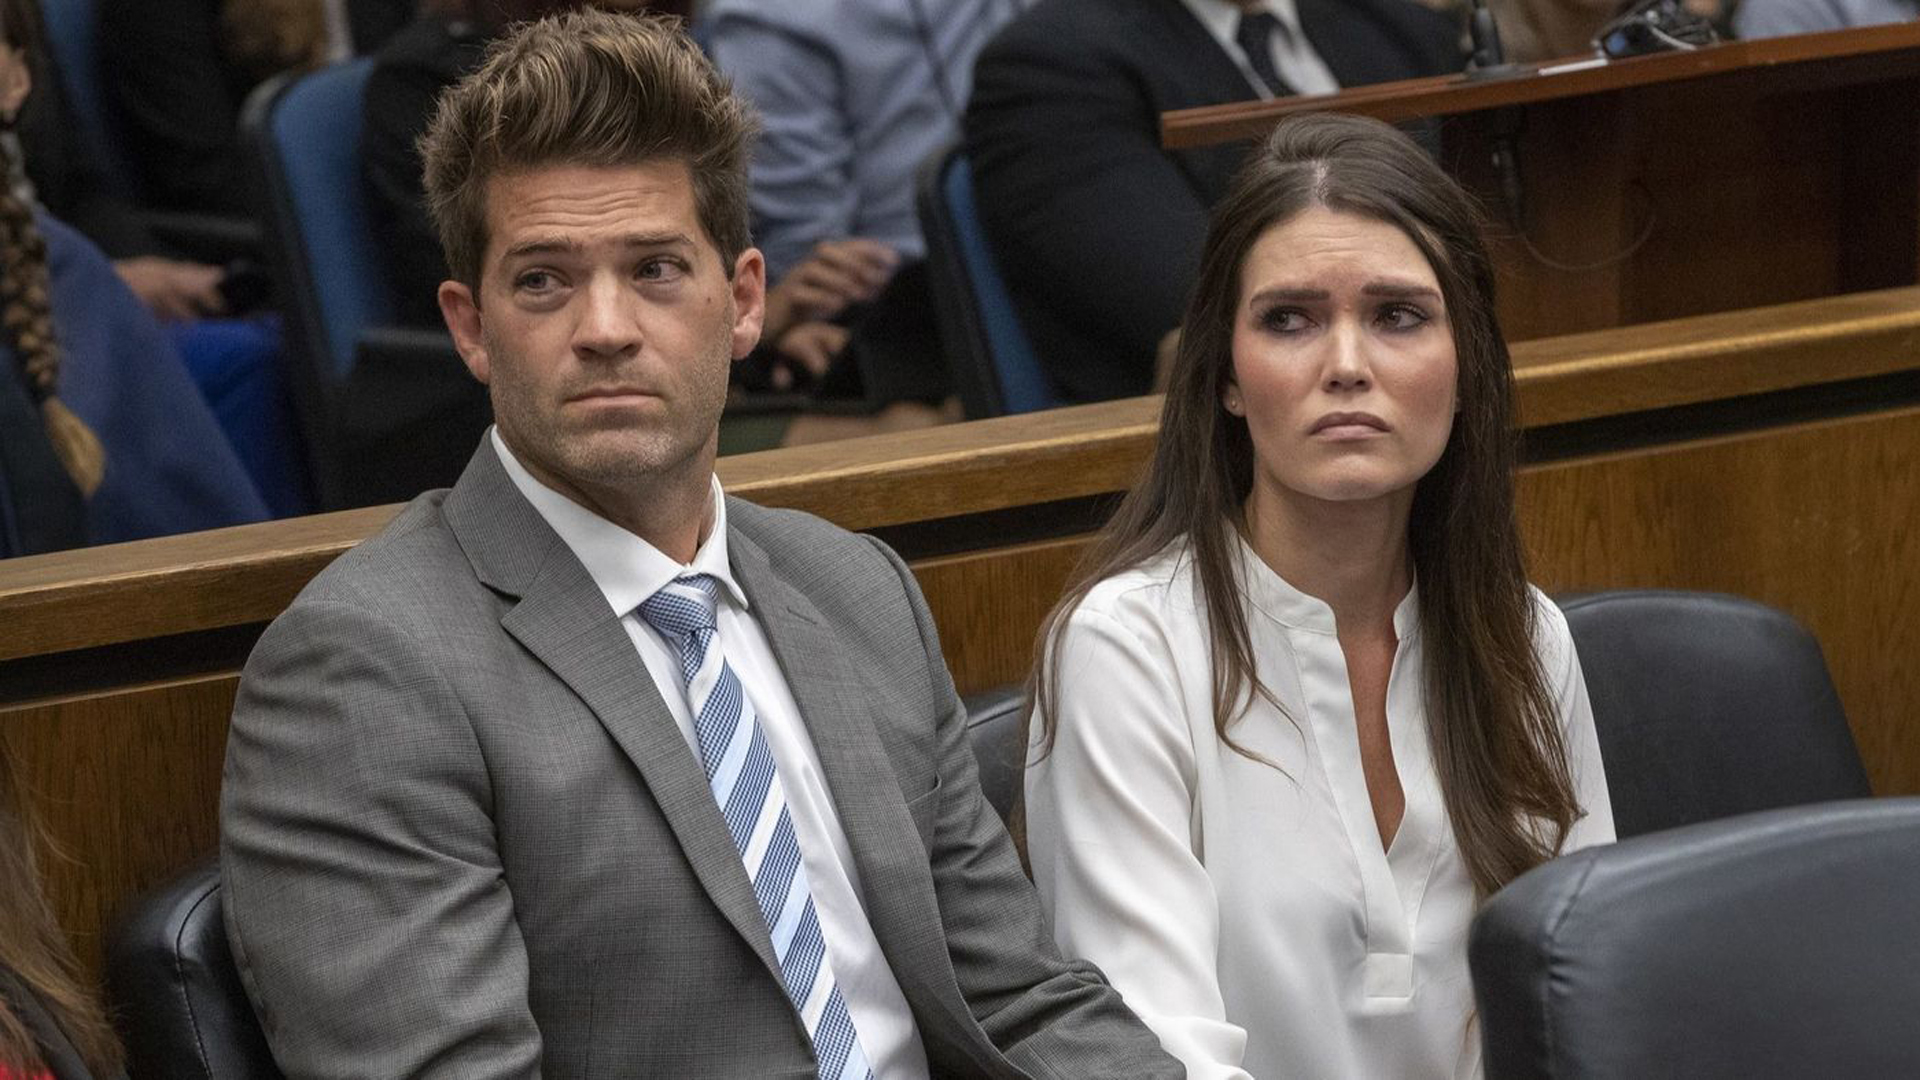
{"x": 1393, "y": 877}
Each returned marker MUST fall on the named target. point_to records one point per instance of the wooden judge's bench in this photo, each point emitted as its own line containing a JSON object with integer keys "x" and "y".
{"x": 1677, "y": 184}
{"x": 1756, "y": 446}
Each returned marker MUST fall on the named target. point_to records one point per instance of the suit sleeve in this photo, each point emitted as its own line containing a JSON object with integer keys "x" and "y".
{"x": 1050, "y": 1016}
{"x": 364, "y": 894}
{"x": 1109, "y": 832}
{"x": 1078, "y": 200}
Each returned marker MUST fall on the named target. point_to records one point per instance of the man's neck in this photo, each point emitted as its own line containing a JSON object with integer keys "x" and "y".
{"x": 671, "y": 508}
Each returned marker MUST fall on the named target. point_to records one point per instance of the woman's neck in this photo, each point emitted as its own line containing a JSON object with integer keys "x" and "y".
{"x": 1351, "y": 555}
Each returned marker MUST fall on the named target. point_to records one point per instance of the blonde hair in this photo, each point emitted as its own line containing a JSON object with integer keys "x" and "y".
{"x": 35, "y": 951}
{"x": 26, "y": 324}
{"x": 587, "y": 88}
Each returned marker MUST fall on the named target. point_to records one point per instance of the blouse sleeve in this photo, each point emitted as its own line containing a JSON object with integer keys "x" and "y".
{"x": 1110, "y": 837}
{"x": 1582, "y": 741}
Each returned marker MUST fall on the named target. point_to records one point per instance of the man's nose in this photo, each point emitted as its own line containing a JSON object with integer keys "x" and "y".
{"x": 609, "y": 323}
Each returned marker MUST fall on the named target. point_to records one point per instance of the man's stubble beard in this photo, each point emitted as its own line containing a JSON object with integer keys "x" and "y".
{"x": 630, "y": 457}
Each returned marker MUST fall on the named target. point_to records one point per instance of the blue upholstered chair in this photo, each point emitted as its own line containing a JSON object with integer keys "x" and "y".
{"x": 395, "y": 402}
{"x": 995, "y": 369}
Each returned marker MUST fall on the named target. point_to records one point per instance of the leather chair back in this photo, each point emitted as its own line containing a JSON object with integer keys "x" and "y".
{"x": 997, "y": 729}
{"x": 1783, "y": 944}
{"x": 175, "y": 991}
{"x": 1709, "y": 706}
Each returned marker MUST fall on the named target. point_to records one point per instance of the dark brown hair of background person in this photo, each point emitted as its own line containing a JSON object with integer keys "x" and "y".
{"x": 34, "y": 950}
{"x": 497, "y": 14}
{"x": 26, "y": 302}
{"x": 266, "y": 37}
{"x": 515, "y": 113}
{"x": 1496, "y": 741}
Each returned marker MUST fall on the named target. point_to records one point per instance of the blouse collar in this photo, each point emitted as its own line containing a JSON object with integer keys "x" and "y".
{"x": 1280, "y": 601}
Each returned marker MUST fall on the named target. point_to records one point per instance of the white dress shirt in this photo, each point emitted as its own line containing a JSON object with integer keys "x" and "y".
{"x": 1247, "y": 912}
{"x": 628, "y": 570}
{"x": 1294, "y": 57}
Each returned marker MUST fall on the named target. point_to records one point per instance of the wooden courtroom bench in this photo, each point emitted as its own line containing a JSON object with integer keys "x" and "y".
{"x": 1772, "y": 453}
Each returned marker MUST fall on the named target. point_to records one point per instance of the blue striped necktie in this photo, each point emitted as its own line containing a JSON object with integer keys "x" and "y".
{"x": 746, "y": 785}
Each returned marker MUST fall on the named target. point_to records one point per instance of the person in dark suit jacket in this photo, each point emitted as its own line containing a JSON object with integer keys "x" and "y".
{"x": 1096, "y": 228}
{"x": 582, "y": 768}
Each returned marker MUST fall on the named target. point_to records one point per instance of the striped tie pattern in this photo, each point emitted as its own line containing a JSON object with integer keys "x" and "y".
{"x": 746, "y": 785}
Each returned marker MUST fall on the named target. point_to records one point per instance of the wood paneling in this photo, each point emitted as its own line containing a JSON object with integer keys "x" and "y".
{"x": 1842, "y": 57}
{"x": 1817, "y": 519}
{"x": 234, "y": 577}
{"x": 126, "y": 784}
{"x": 1671, "y": 185}
{"x": 988, "y": 606}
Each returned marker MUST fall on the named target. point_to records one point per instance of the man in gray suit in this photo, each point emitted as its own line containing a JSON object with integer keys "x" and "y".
{"x": 581, "y": 767}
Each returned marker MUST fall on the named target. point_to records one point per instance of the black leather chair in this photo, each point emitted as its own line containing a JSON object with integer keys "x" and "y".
{"x": 175, "y": 992}
{"x": 1780, "y": 944}
{"x": 1709, "y": 706}
{"x": 177, "y": 995}
{"x": 997, "y": 729}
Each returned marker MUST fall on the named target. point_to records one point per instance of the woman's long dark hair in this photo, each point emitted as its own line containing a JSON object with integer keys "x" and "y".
{"x": 1496, "y": 740}
{"x": 35, "y": 951}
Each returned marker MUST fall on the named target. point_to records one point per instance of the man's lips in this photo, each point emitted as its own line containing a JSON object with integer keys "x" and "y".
{"x": 600, "y": 393}
{"x": 1348, "y": 423}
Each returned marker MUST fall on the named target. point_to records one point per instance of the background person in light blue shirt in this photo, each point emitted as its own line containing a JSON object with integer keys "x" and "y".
{"x": 1779, "y": 18}
{"x": 854, "y": 95}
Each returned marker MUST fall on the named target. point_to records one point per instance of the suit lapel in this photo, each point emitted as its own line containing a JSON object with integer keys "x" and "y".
{"x": 1204, "y": 72}
{"x": 896, "y": 877}
{"x": 562, "y": 618}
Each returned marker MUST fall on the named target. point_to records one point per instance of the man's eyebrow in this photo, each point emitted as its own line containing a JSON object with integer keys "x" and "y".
{"x": 558, "y": 245}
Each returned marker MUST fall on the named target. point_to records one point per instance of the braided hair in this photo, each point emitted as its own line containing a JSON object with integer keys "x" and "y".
{"x": 26, "y": 324}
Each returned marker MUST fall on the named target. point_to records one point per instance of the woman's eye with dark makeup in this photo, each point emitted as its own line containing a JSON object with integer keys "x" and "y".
{"x": 1402, "y": 317}
{"x": 1283, "y": 320}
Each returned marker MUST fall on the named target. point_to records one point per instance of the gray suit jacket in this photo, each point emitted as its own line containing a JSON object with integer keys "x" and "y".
{"x": 461, "y": 834}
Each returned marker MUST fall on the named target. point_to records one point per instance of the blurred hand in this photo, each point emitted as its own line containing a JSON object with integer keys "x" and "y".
{"x": 811, "y": 345}
{"x": 173, "y": 290}
{"x": 834, "y": 276}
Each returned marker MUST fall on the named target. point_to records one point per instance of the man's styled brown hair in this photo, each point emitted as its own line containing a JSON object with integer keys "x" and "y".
{"x": 587, "y": 88}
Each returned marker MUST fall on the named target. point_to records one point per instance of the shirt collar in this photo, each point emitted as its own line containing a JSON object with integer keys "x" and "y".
{"x": 1222, "y": 17}
{"x": 626, "y": 568}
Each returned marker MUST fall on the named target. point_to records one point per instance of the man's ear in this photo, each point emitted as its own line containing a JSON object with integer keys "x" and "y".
{"x": 749, "y": 300}
{"x": 462, "y": 314}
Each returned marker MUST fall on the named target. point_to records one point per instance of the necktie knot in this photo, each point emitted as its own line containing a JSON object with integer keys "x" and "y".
{"x": 1256, "y": 29}
{"x": 683, "y": 607}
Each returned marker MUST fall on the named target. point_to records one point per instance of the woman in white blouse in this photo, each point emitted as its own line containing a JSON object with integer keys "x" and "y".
{"x": 1303, "y": 712}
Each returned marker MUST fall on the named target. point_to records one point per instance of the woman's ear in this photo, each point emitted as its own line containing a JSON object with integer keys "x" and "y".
{"x": 1230, "y": 399}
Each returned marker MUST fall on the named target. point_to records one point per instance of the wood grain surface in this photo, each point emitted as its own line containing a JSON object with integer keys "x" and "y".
{"x": 233, "y": 577}
{"x": 1834, "y": 58}
{"x": 127, "y": 785}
